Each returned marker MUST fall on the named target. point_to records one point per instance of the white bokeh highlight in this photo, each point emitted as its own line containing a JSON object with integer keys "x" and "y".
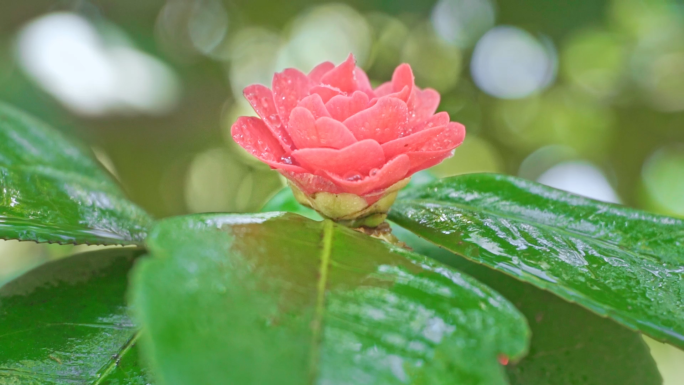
{"x": 581, "y": 178}
{"x": 66, "y": 56}
{"x": 510, "y": 63}
{"x": 462, "y": 22}
{"x": 325, "y": 33}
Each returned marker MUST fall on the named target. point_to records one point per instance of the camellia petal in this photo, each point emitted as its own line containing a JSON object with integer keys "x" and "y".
{"x": 333, "y": 133}
{"x": 392, "y": 172}
{"x": 289, "y": 87}
{"x": 314, "y": 103}
{"x": 341, "y": 107}
{"x": 330, "y": 132}
{"x": 252, "y": 134}
{"x": 439, "y": 119}
{"x": 448, "y": 139}
{"x": 357, "y": 159}
{"x": 413, "y": 142}
{"x": 424, "y": 104}
{"x": 437, "y": 148}
{"x": 343, "y": 76}
{"x": 326, "y": 92}
{"x": 384, "y": 89}
{"x": 317, "y": 73}
{"x": 401, "y": 78}
{"x": 310, "y": 183}
{"x": 306, "y": 132}
{"x": 404, "y": 94}
{"x": 420, "y": 160}
{"x": 261, "y": 100}
{"x": 362, "y": 82}
{"x": 385, "y": 121}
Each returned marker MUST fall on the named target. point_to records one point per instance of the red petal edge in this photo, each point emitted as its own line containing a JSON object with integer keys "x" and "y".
{"x": 384, "y": 121}
{"x": 306, "y": 132}
{"x": 261, "y": 100}
{"x": 341, "y": 107}
{"x": 317, "y": 73}
{"x": 252, "y": 134}
{"x": 424, "y": 104}
{"x": 360, "y": 157}
{"x": 411, "y": 143}
{"x": 392, "y": 172}
{"x": 289, "y": 87}
{"x": 314, "y": 103}
{"x": 343, "y": 76}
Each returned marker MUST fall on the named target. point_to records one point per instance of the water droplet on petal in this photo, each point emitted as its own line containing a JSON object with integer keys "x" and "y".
{"x": 353, "y": 176}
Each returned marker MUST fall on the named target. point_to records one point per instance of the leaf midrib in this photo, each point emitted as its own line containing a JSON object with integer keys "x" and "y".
{"x": 317, "y": 323}
{"x": 114, "y": 361}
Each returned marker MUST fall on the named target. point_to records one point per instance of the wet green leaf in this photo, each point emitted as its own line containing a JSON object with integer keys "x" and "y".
{"x": 618, "y": 262}
{"x": 280, "y": 299}
{"x": 67, "y": 322}
{"x": 52, "y": 191}
{"x": 570, "y": 345}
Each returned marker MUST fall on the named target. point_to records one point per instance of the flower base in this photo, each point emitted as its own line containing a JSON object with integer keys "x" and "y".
{"x": 349, "y": 209}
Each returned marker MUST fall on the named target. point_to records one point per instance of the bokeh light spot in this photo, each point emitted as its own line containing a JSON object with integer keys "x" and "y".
{"x": 510, "y": 63}
{"x": 663, "y": 178}
{"x": 327, "y": 32}
{"x": 462, "y": 22}
{"x": 474, "y": 155}
{"x": 581, "y": 178}
{"x": 207, "y": 25}
{"x": 559, "y": 116}
{"x": 66, "y": 56}
{"x": 435, "y": 63}
{"x": 253, "y": 53}
{"x": 595, "y": 61}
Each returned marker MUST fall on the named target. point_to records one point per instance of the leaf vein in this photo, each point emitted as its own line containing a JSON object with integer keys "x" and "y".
{"x": 317, "y": 324}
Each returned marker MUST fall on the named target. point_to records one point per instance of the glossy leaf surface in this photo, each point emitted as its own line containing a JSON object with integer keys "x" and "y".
{"x": 570, "y": 345}
{"x": 619, "y": 262}
{"x": 52, "y": 191}
{"x": 280, "y": 299}
{"x": 67, "y": 322}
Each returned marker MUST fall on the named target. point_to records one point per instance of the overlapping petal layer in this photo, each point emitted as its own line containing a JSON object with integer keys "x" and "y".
{"x": 330, "y": 131}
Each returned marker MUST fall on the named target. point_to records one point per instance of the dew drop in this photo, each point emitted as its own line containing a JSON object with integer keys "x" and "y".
{"x": 353, "y": 176}
{"x": 286, "y": 159}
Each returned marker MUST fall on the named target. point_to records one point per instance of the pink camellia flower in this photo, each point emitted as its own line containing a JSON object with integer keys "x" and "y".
{"x": 346, "y": 148}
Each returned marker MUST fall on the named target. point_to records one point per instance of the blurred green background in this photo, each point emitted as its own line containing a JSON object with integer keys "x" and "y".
{"x": 583, "y": 95}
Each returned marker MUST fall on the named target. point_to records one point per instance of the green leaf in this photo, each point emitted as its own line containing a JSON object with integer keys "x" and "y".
{"x": 280, "y": 299}
{"x": 52, "y": 191}
{"x": 570, "y": 345}
{"x": 618, "y": 262}
{"x": 67, "y": 322}
{"x": 284, "y": 200}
